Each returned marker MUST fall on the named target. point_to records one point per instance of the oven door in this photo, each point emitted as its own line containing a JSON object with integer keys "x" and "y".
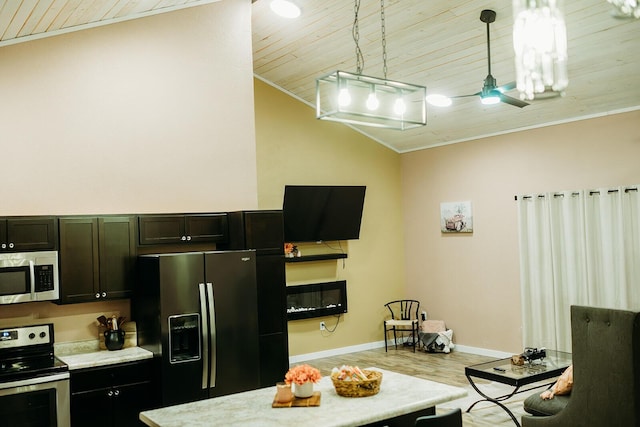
{"x": 36, "y": 402}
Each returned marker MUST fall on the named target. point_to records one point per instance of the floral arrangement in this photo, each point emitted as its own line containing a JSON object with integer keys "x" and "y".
{"x": 301, "y": 374}
{"x": 291, "y": 250}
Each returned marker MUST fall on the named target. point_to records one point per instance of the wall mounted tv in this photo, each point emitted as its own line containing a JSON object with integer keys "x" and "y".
{"x": 314, "y": 213}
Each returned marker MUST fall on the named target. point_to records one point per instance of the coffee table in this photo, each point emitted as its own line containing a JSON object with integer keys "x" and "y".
{"x": 502, "y": 371}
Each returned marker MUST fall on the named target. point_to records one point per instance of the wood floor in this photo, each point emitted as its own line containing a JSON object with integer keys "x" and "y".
{"x": 443, "y": 368}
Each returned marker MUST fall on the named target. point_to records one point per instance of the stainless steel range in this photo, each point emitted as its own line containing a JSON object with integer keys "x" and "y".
{"x": 34, "y": 384}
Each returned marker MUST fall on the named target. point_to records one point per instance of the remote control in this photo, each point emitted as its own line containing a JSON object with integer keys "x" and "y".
{"x": 500, "y": 369}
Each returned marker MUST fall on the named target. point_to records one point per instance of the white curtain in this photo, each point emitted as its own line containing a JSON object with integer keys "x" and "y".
{"x": 576, "y": 247}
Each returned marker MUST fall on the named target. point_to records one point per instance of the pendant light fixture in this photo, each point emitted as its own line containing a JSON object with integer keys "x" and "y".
{"x": 357, "y": 99}
{"x": 626, "y": 8}
{"x": 540, "y": 45}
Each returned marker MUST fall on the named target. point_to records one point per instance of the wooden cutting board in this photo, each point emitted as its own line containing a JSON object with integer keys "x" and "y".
{"x": 314, "y": 400}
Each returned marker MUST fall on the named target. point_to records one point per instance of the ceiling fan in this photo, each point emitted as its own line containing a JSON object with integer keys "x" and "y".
{"x": 490, "y": 93}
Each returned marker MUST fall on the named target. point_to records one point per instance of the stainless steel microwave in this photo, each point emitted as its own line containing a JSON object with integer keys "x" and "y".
{"x": 28, "y": 277}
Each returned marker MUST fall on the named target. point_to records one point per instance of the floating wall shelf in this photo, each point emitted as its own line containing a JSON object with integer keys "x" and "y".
{"x": 319, "y": 257}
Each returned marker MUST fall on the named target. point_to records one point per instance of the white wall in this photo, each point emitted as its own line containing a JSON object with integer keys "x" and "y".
{"x": 150, "y": 115}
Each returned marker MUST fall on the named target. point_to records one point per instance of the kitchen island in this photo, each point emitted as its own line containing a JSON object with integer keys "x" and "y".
{"x": 401, "y": 399}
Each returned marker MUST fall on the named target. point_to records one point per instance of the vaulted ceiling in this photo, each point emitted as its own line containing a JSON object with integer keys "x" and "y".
{"x": 440, "y": 44}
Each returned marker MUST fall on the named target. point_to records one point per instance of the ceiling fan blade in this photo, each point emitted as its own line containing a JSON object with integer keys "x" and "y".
{"x": 513, "y": 101}
{"x": 466, "y": 96}
{"x": 507, "y": 87}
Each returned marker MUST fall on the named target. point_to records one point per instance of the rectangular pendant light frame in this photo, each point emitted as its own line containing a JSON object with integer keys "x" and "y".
{"x": 360, "y": 87}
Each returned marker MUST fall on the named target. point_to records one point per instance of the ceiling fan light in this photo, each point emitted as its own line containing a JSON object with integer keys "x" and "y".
{"x": 540, "y": 46}
{"x": 490, "y": 99}
{"x": 438, "y": 100}
{"x": 285, "y": 8}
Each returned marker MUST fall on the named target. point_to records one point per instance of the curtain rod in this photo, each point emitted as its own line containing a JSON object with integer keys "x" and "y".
{"x": 591, "y": 193}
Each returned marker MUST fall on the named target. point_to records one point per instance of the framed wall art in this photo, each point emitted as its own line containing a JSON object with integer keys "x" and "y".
{"x": 456, "y": 217}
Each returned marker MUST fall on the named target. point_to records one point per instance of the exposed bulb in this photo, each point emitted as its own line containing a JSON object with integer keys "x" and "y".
{"x": 399, "y": 107}
{"x": 344, "y": 98}
{"x": 372, "y": 102}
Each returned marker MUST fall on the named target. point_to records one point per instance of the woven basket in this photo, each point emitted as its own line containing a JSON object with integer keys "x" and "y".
{"x": 358, "y": 388}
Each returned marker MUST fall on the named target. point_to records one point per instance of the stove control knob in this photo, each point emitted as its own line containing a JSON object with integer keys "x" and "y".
{"x": 43, "y": 334}
{"x": 32, "y": 336}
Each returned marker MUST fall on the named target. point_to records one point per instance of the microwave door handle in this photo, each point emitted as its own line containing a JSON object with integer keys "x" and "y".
{"x": 212, "y": 333}
{"x": 32, "y": 274}
{"x": 205, "y": 333}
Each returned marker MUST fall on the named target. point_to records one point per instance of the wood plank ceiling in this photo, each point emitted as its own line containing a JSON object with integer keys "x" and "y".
{"x": 24, "y": 20}
{"x": 437, "y": 43}
{"x": 442, "y": 44}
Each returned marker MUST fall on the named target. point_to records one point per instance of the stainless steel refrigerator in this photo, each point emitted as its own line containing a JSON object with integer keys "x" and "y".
{"x": 197, "y": 312}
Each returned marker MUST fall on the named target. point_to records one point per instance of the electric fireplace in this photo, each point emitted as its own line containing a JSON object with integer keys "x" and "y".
{"x": 316, "y": 300}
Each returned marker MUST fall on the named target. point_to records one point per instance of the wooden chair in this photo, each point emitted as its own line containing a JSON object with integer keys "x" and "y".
{"x": 404, "y": 318}
{"x": 450, "y": 419}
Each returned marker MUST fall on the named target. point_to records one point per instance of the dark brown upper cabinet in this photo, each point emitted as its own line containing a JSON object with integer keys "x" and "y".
{"x": 179, "y": 228}
{"x": 97, "y": 258}
{"x": 19, "y": 234}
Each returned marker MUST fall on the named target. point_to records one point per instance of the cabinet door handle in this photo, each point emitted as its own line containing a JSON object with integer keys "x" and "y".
{"x": 116, "y": 393}
{"x": 188, "y": 238}
{"x": 97, "y": 294}
{"x": 4, "y": 246}
{"x": 110, "y": 393}
{"x": 11, "y": 245}
{"x": 104, "y": 294}
{"x": 183, "y": 238}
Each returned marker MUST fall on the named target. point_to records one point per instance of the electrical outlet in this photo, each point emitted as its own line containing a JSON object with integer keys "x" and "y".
{"x": 323, "y": 326}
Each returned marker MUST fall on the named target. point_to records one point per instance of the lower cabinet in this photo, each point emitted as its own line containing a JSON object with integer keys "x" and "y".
{"x": 112, "y": 395}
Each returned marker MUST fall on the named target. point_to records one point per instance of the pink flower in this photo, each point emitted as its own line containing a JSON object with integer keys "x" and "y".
{"x": 301, "y": 374}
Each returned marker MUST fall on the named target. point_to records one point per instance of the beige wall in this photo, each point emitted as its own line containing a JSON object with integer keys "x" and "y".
{"x": 472, "y": 280}
{"x": 295, "y": 148}
{"x": 150, "y": 115}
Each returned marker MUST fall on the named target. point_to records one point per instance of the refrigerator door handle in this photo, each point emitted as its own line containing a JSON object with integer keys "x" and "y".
{"x": 212, "y": 333}
{"x": 205, "y": 334}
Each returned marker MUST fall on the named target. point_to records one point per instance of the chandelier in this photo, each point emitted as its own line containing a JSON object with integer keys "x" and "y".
{"x": 540, "y": 46}
{"x": 626, "y": 8}
{"x": 358, "y": 99}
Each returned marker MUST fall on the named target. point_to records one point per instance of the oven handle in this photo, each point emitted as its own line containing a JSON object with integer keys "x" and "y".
{"x": 37, "y": 380}
{"x": 32, "y": 274}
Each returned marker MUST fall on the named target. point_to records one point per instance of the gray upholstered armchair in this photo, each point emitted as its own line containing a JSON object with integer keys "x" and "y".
{"x": 606, "y": 373}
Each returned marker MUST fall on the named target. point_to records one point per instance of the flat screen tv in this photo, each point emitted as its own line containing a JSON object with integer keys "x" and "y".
{"x": 314, "y": 213}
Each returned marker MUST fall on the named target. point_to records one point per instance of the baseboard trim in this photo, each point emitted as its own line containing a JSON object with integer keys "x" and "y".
{"x": 378, "y": 344}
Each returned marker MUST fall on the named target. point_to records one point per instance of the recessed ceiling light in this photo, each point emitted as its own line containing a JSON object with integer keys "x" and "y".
{"x": 285, "y": 8}
{"x": 439, "y": 100}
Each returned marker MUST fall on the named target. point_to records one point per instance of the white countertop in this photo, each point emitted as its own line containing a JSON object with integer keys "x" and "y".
{"x": 399, "y": 394}
{"x": 104, "y": 357}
